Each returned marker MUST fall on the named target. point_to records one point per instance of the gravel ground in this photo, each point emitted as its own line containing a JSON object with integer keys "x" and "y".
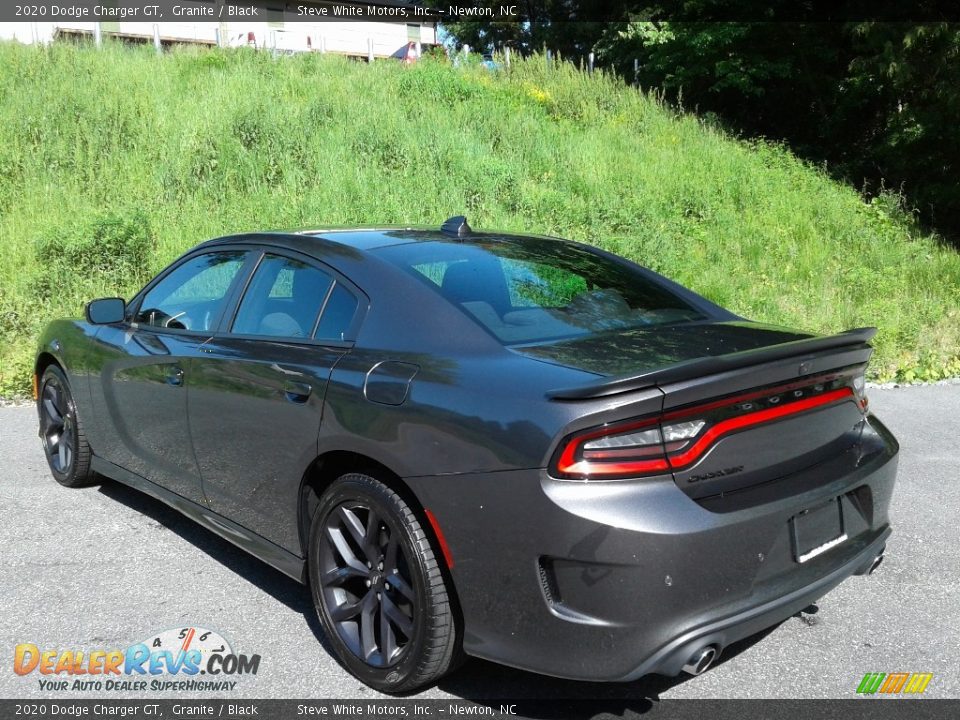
{"x": 107, "y": 566}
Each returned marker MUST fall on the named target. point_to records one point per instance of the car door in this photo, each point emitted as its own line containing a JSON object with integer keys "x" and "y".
{"x": 257, "y": 391}
{"x": 140, "y": 397}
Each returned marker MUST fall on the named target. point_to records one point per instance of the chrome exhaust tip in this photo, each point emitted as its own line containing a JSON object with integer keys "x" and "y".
{"x": 701, "y": 660}
{"x": 875, "y": 564}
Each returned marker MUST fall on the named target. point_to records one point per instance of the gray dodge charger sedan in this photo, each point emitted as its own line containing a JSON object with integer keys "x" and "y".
{"x": 512, "y": 447}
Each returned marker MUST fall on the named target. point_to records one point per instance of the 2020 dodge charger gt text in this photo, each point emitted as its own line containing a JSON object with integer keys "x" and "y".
{"x": 519, "y": 448}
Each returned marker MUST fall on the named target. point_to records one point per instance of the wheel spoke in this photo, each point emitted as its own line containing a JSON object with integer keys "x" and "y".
{"x": 373, "y": 527}
{"x": 339, "y": 575}
{"x": 62, "y": 454}
{"x": 396, "y": 617}
{"x": 346, "y": 552}
{"x": 52, "y": 411}
{"x": 348, "y": 610}
{"x": 390, "y": 555}
{"x": 354, "y": 527}
{"x": 400, "y": 585}
{"x": 57, "y": 399}
{"x": 388, "y": 639}
{"x": 368, "y": 614}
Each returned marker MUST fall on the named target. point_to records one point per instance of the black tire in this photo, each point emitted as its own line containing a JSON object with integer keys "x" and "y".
{"x": 363, "y": 537}
{"x": 61, "y": 431}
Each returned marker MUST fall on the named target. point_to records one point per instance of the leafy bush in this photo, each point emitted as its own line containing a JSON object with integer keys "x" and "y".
{"x": 112, "y": 245}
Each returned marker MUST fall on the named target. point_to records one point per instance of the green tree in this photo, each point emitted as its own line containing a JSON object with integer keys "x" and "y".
{"x": 567, "y": 27}
{"x": 877, "y": 100}
{"x": 909, "y": 77}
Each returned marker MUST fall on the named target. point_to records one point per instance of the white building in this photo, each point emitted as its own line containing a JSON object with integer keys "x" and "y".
{"x": 366, "y": 38}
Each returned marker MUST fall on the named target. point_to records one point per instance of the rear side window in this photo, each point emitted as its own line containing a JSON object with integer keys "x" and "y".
{"x": 337, "y": 314}
{"x": 535, "y": 290}
{"x": 283, "y": 299}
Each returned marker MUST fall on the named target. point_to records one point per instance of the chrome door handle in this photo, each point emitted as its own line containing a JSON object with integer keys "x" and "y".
{"x": 175, "y": 375}
{"x": 297, "y": 392}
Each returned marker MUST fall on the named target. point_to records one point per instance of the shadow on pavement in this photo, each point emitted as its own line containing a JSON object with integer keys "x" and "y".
{"x": 273, "y": 582}
{"x": 478, "y": 680}
{"x": 475, "y": 680}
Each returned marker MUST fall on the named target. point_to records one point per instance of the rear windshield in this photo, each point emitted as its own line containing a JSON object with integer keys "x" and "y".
{"x": 534, "y": 290}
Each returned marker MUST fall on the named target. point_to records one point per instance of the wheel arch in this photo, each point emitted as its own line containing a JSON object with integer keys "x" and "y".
{"x": 331, "y": 465}
{"x": 46, "y": 359}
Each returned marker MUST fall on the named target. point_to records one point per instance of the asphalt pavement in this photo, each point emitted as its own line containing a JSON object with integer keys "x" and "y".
{"x": 107, "y": 566}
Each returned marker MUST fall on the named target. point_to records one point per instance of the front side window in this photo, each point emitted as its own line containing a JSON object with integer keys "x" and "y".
{"x": 283, "y": 299}
{"x": 192, "y": 296}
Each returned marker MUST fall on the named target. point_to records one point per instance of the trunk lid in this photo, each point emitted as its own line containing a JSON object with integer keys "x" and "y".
{"x": 632, "y": 352}
{"x": 749, "y": 403}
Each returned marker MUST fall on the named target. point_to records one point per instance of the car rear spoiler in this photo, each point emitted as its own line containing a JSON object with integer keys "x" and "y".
{"x": 856, "y": 339}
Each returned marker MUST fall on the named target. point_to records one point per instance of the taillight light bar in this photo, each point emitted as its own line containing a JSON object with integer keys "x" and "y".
{"x": 742, "y": 422}
{"x": 678, "y": 439}
{"x": 571, "y": 462}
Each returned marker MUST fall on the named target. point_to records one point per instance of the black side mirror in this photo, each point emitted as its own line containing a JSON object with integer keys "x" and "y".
{"x": 106, "y": 310}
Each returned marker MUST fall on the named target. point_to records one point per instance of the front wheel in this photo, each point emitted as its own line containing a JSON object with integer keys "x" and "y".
{"x": 378, "y": 587}
{"x": 64, "y": 443}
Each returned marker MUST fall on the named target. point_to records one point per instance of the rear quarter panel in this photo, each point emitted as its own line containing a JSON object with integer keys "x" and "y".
{"x": 462, "y": 414}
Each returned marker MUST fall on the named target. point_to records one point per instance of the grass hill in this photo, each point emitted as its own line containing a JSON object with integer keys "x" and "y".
{"x": 114, "y": 161}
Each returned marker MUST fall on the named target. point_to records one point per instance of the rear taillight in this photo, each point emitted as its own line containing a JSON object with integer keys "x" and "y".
{"x": 679, "y": 438}
{"x": 618, "y": 450}
{"x": 860, "y": 390}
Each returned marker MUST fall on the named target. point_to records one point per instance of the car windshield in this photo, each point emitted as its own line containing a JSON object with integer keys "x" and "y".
{"x": 534, "y": 290}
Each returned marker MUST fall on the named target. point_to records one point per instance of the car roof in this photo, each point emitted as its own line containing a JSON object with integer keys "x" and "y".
{"x": 365, "y": 239}
{"x": 372, "y": 260}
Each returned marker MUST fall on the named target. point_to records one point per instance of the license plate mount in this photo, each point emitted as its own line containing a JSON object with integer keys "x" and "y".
{"x": 817, "y": 530}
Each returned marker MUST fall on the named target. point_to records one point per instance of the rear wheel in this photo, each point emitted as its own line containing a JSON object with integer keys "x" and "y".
{"x": 61, "y": 431}
{"x": 378, "y": 587}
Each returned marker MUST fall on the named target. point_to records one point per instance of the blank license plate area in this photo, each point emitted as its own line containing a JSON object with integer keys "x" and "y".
{"x": 817, "y": 530}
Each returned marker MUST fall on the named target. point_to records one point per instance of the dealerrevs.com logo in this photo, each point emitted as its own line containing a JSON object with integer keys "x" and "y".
{"x": 179, "y": 659}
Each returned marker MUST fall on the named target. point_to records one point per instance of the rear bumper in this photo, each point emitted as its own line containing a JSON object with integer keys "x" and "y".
{"x": 670, "y": 659}
{"x": 614, "y": 580}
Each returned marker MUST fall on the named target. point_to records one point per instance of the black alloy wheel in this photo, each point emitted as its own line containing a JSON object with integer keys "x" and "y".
{"x": 61, "y": 431}
{"x": 366, "y": 584}
{"x": 378, "y": 587}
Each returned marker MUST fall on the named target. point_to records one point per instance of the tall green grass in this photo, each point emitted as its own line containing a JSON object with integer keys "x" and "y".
{"x": 114, "y": 161}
